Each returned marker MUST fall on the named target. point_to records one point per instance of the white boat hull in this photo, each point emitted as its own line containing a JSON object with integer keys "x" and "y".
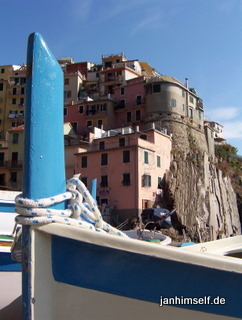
{"x": 81, "y": 284}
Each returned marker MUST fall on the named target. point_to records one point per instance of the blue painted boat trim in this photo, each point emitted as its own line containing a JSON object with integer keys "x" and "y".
{"x": 133, "y": 275}
{"x": 7, "y": 207}
{"x": 7, "y": 264}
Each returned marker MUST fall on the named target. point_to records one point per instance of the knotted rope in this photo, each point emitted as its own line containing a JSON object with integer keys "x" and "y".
{"x": 82, "y": 210}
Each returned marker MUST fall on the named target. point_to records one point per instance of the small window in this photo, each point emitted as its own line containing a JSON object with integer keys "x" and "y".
{"x": 104, "y": 159}
{"x": 104, "y": 181}
{"x": 173, "y": 103}
{"x": 13, "y": 177}
{"x": 138, "y": 100}
{"x": 101, "y": 145}
{"x": 190, "y": 112}
{"x": 122, "y": 142}
{"x": 146, "y": 157}
{"x": 146, "y": 180}
{"x": 14, "y": 91}
{"x": 183, "y": 93}
{"x": 158, "y": 162}
{"x": 65, "y": 111}
{"x": 143, "y": 136}
{"x": 156, "y": 87}
{"x": 13, "y": 101}
{"x": 2, "y": 70}
{"x": 89, "y": 123}
{"x": 21, "y": 102}
{"x": 122, "y": 91}
{"x": 99, "y": 124}
{"x": 22, "y": 90}
{"x": 15, "y": 138}
{"x": 138, "y": 115}
{"x": 1, "y": 86}
{"x": 128, "y": 116}
{"x": 191, "y": 99}
{"x": 81, "y": 109}
{"x": 126, "y": 156}
{"x": 84, "y": 180}
{"x": 84, "y": 162}
{"x": 126, "y": 179}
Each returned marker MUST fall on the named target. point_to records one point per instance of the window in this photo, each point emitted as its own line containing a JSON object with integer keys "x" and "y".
{"x": 128, "y": 116}
{"x": 122, "y": 91}
{"x": 89, "y": 123}
{"x": 191, "y": 99}
{"x": 159, "y": 182}
{"x": 1, "y": 86}
{"x": 22, "y": 90}
{"x": 84, "y": 180}
{"x": 74, "y": 125}
{"x": 122, "y": 142}
{"x": 104, "y": 159}
{"x": 21, "y": 102}
{"x": 81, "y": 109}
{"x": 13, "y": 101}
{"x": 158, "y": 161}
{"x": 67, "y": 94}
{"x": 156, "y": 87}
{"x": 2, "y": 70}
{"x": 146, "y": 157}
{"x": 173, "y": 103}
{"x": 66, "y": 81}
{"x": 103, "y": 107}
{"x": 15, "y": 138}
{"x": 99, "y": 124}
{"x": 104, "y": 181}
{"x": 122, "y": 104}
{"x": 138, "y": 115}
{"x": 101, "y": 145}
{"x": 126, "y": 156}
{"x": 97, "y": 75}
{"x": 138, "y": 100}
{"x": 65, "y": 111}
{"x": 13, "y": 177}
{"x": 126, "y": 179}
{"x": 143, "y": 136}
{"x": 146, "y": 180}
{"x": 190, "y": 113}
{"x": 14, "y": 91}
{"x": 84, "y": 161}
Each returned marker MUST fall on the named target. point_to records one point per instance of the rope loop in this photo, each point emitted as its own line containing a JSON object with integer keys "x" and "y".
{"x": 82, "y": 209}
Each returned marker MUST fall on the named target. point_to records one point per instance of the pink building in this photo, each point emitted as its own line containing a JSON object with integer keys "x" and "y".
{"x": 130, "y": 100}
{"x": 128, "y": 165}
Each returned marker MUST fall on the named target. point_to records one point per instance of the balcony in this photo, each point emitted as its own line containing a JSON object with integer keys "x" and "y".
{"x": 15, "y": 164}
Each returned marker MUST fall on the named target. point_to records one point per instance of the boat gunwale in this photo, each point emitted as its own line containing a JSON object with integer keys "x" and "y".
{"x": 206, "y": 259}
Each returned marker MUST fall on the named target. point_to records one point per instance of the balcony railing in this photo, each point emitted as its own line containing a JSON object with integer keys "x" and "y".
{"x": 11, "y": 164}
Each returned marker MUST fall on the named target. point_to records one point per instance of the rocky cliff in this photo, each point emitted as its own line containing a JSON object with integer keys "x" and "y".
{"x": 205, "y": 202}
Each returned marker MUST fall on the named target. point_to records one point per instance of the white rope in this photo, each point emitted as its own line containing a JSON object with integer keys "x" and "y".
{"x": 78, "y": 213}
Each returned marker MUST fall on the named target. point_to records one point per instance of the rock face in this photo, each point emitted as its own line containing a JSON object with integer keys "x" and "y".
{"x": 204, "y": 198}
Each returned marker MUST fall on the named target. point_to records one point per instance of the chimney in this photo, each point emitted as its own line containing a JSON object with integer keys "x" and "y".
{"x": 186, "y": 84}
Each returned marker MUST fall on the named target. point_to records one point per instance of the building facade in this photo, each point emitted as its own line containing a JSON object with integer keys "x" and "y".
{"x": 129, "y": 166}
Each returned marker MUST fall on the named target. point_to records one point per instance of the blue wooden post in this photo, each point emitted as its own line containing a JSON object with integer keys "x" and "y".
{"x": 94, "y": 188}
{"x": 44, "y": 169}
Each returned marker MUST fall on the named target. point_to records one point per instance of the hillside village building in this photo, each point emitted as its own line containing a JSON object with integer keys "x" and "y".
{"x": 129, "y": 162}
{"x": 129, "y": 166}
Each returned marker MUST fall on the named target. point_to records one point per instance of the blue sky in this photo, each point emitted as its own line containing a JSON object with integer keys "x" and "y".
{"x": 196, "y": 39}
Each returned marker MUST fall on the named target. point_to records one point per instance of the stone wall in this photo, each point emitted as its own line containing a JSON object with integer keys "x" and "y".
{"x": 204, "y": 198}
